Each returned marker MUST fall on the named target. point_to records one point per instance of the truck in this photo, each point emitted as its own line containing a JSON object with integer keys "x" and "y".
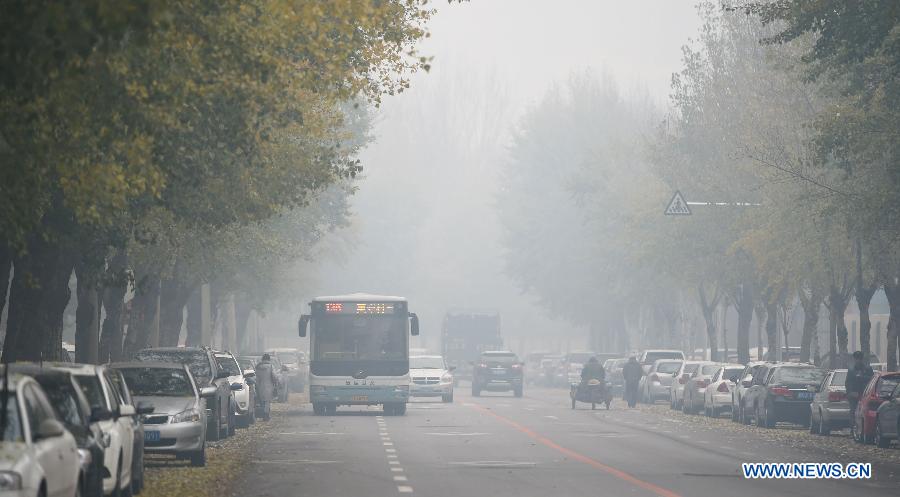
{"x": 465, "y": 334}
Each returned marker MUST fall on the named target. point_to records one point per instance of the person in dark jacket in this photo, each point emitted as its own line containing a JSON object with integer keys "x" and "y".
{"x": 593, "y": 370}
{"x": 858, "y": 376}
{"x": 632, "y": 373}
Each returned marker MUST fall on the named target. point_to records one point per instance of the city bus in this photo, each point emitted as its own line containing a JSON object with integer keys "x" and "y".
{"x": 359, "y": 351}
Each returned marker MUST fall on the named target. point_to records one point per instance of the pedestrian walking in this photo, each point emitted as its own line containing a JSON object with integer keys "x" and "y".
{"x": 858, "y": 375}
{"x": 265, "y": 385}
{"x": 632, "y": 373}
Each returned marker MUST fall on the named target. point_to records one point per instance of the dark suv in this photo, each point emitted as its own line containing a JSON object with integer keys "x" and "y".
{"x": 782, "y": 392}
{"x": 207, "y": 373}
{"x": 497, "y": 371}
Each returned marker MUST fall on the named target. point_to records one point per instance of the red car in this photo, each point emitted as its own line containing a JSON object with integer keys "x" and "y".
{"x": 877, "y": 391}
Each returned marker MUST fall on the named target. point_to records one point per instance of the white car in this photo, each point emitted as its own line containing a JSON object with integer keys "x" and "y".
{"x": 97, "y": 385}
{"x": 679, "y": 380}
{"x": 658, "y": 381}
{"x": 241, "y": 391}
{"x": 718, "y": 394}
{"x": 38, "y": 457}
{"x": 695, "y": 388}
{"x": 430, "y": 377}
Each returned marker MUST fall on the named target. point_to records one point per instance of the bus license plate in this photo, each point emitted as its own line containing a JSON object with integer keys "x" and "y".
{"x": 360, "y": 398}
{"x": 151, "y": 436}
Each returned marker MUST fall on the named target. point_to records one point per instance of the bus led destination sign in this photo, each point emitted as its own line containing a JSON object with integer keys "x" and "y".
{"x": 359, "y": 307}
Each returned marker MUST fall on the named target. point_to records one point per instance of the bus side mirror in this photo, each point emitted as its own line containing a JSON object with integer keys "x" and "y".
{"x": 414, "y": 324}
{"x": 303, "y": 324}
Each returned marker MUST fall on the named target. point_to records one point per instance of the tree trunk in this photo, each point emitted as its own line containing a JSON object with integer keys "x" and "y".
{"x": 242, "y": 312}
{"x": 142, "y": 319}
{"x": 863, "y": 299}
{"x": 174, "y": 295}
{"x": 87, "y": 315}
{"x": 194, "y": 319}
{"x": 772, "y": 329}
{"x": 708, "y": 307}
{"x": 811, "y": 305}
{"x": 38, "y": 297}
{"x": 5, "y": 267}
{"x": 112, "y": 334}
{"x": 837, "y": 340}
{"x": 892, "y": 291}
{"x": 744, "y": 306}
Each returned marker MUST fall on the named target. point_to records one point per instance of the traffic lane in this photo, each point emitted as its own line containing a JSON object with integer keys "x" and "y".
{"x": 684, "y": 457}
{"x": 453, "y": 449}
{"x": 321, "y": 456}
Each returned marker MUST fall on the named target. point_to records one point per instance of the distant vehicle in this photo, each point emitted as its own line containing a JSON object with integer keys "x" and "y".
{"x": 466, "y": 333}
{"x": 579, "y": 356}
{"x": 74, "y": 411}
{"x": 244, "y": 405}
{"x": 880, "y": 387}
{"x": 782, "y": 392}
{"x": 39, "y": 456}
{"x": 695, "y": 388}
{"x": 656, "y": 384}
{"x": 830, "y": 409}
{"x": 498, "y": 371}
{"x": 206, "y": 372}
{"x": 178, "y": 423}
{"x": 740, "y": 388}
{"x": 98, "y": 388}
{"x": 551, "y": 371}
{"x": 360, "y": 351}
{"x": 297, "y": 365}
{"x": 533, "y": 366}
{"x": 430, "y": 377}
{"x": 614, "y": 377}
{"x": 718, "y": 392}
{"x": 648, "y": 357}
{"x": 680, "y": 379}
{"x": 887, "y": 419}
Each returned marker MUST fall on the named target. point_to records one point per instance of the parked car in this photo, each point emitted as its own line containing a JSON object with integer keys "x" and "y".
{"x": 741, "y": 387}
{"x": 876, "y": 392}
{"x": 140, "y": 409}
{"x": 830, "y": 409}
{"x": 497, "y": 371}
{"x": 718, "y": 393}
{"x": 178, "y": 424}
{"x": 296, "y": 367}
{"x": 244, "y": 399}
{"x": 695, "y": 388}
{"x": 656, "y": 384}
{"x": 551, "y": 371}
{"x": 97, "y": 386}
{"x": 679, "y": 380}
{"x": 887, "y": 420}
{"x": 74, "y": 411}
{"x": 614, "y": 377}
{"x": 38, "y": 456}
{"x": 207, "y": 373}
{"x": 648, "y": 357}
{"x": 782, "y": 392}
{"x": 430, "y": 377}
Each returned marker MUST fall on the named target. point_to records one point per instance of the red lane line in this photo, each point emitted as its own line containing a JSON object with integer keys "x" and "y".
{"x": 660, "y": 491}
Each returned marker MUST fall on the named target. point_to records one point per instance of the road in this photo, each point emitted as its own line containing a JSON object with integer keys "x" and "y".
{"x": 502, "y": 446}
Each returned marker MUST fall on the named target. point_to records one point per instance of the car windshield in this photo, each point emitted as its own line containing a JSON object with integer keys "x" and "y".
{"x": 839, "y": 379}
{"x": 690, "y": 368}
{"x": 227, "y": 363}
{"x": 92, "y": 389}
{"x": 286, "y": 357}
{"x": 887, "y": 385}
{"x": 12, "y": 432}
{"x": 196, "y": 361}
{"x": 803, "y": 376}
{"x": 499, "y": 358}
{"x": 63, "y": 398}
{"x": 667, "y": 367}
{"x": 730, "y": 373}
{"x": 158, "y": 382}
{"x": 360, "y": 338}
{"x": 709, "y": 369}
{"x": 247, "y": 362}
{"x": 426, "y": 363}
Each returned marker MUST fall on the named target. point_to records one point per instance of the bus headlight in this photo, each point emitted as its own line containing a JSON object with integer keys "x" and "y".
{"x": 10, "y": 481}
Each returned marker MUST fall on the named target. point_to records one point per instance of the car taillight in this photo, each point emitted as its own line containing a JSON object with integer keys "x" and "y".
{"x": 654, "y": 377}
{"x": 784, "y": 392}
{"x": 517, "y": 366}
{"x": 482, "y": 365}
{"x": 723, "y": 387}
{"x": 836, "y": 396}
{"x": 874, "y": 404}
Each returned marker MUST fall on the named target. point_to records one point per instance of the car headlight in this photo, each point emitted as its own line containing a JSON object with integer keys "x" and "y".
{"x": 10, "y": 480}
{"x": 187, "y": 416}
{"x": 447, "y": 378}
{"x": 84, "y": 457}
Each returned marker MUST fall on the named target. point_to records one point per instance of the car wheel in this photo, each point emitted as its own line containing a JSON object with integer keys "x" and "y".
{"x": 734, "y": 413}
{"x": 814, "y": 427}
{"x": 768, "y": 420}
{"x": 854, "y": 433}
{"x": 42, "y": 492}
{"x": 137, "y": 474}
{"x": 212, "y": 426}
{"x": 198, "y": 458}
{"x": 518, "y": 391}
{"x": 879, "y": 437}
{"x": 232, "y": 423}
{"x": 117, "y": 486}
{"x": 823, "y": 426}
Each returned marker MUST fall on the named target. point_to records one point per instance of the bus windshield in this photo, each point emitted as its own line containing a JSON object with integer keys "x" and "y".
{"x": 360, "y": 338}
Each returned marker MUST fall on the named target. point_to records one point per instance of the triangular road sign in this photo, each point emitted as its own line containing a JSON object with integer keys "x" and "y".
{"x": 678, "y": 206}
